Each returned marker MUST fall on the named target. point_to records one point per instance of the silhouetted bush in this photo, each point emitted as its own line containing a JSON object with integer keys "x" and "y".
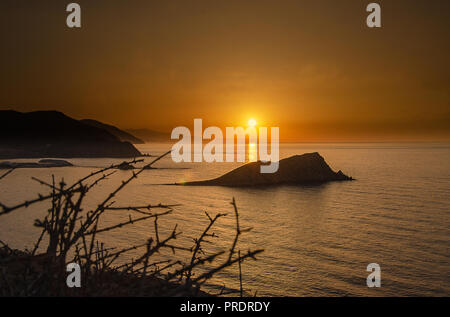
{"x": 70, "y": 233}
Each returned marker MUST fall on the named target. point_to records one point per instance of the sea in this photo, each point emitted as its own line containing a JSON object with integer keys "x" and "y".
{"x": 317, "y": 240}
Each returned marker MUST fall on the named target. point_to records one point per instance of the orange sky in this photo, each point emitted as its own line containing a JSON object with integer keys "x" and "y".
{"x": 312, "y": 68}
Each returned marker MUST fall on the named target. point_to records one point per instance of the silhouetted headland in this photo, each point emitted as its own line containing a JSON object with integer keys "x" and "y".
{"x": 150, "y": 135}
{"x": 53, "y": 134}
{"x": 122, "y": 135}
{"x": 309, "y": 168}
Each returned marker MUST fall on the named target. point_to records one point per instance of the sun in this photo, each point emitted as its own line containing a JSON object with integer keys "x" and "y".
{"x": 251, "y": 123}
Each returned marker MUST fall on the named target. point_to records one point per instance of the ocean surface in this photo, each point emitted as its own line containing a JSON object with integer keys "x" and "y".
{"x": 318, "y": 240}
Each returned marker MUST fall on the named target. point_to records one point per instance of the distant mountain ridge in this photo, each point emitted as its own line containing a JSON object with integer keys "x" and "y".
{"x": 122, "y": 135}
{"x": 150, "y": 135}
{"x": 53, "y": 134}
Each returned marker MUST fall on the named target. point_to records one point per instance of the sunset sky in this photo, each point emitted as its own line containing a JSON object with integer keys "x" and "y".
{"x": 312, "y": 68}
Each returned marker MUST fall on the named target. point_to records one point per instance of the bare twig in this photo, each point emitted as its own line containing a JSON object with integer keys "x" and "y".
{"x": 69, "y": 229}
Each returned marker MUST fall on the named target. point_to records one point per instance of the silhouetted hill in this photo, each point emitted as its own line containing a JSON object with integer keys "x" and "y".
{"x": 309, "y": 168}
{"x": 122, "y": 135}
{"x": 53, "y": 134}
{"x": 150, "y": 135}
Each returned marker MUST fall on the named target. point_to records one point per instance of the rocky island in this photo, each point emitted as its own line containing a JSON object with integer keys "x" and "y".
{"x": 309, "y": 168}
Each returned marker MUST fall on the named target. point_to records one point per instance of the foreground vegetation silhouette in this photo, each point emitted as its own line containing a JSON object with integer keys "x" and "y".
{"x": 69, "y": 235}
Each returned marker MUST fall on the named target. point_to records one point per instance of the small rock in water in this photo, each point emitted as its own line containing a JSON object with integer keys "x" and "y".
{"x": 41, "y": 164}
{"x": 125, "y": 166}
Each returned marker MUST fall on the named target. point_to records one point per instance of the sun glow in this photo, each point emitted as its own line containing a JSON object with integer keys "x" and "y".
{"x": 251, "y": 123}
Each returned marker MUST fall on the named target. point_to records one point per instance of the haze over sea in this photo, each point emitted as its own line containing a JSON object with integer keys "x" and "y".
{"x": 318, "y": 240}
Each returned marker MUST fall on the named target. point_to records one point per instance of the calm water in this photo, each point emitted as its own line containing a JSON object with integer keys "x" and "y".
{"x": 318, "y": 240}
